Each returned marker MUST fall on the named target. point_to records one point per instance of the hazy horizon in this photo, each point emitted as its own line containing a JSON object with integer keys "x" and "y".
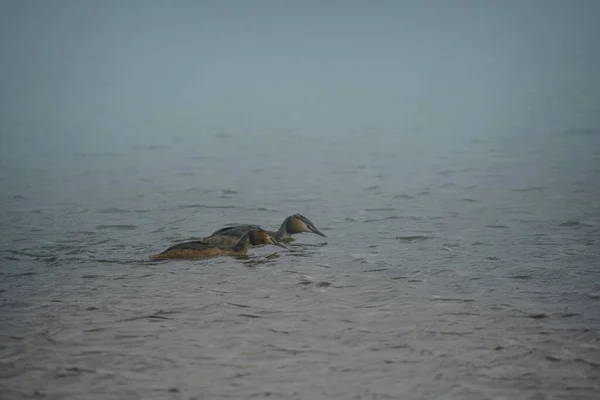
{"x": 146, "y": 71}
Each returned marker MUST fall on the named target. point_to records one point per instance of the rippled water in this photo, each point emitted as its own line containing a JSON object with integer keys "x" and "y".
{"x": 464, "y": 268}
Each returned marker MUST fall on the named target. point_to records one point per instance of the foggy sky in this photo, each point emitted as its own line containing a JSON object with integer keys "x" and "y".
{"x": 152, "y": 69}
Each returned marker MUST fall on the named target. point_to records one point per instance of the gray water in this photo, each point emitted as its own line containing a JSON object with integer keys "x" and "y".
{"x": 456, "y": 176}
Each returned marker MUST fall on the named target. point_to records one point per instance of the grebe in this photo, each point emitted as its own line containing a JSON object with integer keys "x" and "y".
{"x": 292, "y": 225}
{"x": 203, "y": 249}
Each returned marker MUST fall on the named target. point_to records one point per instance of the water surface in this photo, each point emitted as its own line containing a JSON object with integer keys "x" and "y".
{"x": 450, "y": 151}
{"x": 466, "y": 274}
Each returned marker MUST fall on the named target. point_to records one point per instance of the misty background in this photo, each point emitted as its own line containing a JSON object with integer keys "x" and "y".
{"x": 286, "y": 79}
{"x": 449, "y": 150}
{"x": 100, "y": 75}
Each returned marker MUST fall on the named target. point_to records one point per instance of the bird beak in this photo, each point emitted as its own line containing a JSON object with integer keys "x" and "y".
{"x": 313, "y": 229}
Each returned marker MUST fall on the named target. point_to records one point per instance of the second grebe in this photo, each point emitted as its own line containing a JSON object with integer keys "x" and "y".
{"x": 203, "y": 249}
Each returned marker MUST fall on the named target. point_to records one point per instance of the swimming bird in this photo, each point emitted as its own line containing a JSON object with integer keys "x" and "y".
{"x": 292, "y": 225}
{"x": 203, "y": 249}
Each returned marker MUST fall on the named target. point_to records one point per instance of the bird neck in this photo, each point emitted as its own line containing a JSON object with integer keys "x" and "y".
{"x": 282, "y": 232}
{"x": 241, "y": 247}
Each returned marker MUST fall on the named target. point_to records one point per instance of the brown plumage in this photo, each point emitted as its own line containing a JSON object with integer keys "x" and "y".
{"x": 217, "y": 247}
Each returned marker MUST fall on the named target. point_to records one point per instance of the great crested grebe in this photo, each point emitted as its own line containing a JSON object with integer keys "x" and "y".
{"x": 203, "y": 249}
{"x": 292, "y": 225}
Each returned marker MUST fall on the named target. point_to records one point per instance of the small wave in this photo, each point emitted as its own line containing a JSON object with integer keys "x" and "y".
{"x": 404, "y": 196}
{"x": 120, "y": 227}
{"x": 439, "y": 298}
{"x": 250, "y": 315}
{"x": 382, "y": 219}
{"x": 588, "y": 362}
{"x": 207, "y": 206}
{"x": 500, "y": 226}
{"x": 289, "y": 351}
{"x": 112, "y": 210}
{"x": 454, "y": 333}
{"x": 575, "y": 224}
{"x": 376, "y": 270}
{"x": 239, "y": 305}
{"x": 380, "y": 209}
{"x": 448, "y": 185}
{"x": 529, "y": 189}
{"x": 301, "y": 200}
{"x": 27, "y": 254}
{"x": 149, "y": 317}
{"x": 521, "y": 277}
{"x": 414, "y": 238}
{"x": 279, "y": 331}
{"x": 267, "y": 209}
{"x": 470, "y": 200}
{"x": 538, "y": 316}
{"x": 569, "y": 315}
{"x": 28, "y": 273}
